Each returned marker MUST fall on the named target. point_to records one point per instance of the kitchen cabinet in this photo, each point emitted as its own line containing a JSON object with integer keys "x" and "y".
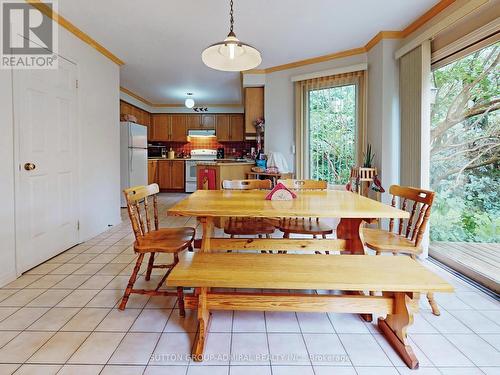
{"x": 168, "y": 128}
{"x": 178, "y": 128}
{"x": 143, "y": 117}
{"x": 152, "y": 171}
{"x": 193, "y": 121}
{"x": 208, "y": 121}
{"x": 236, "y": 126}
{"x": 171, "y": 175}
{"x": 160, "y": 128}
{"x": 229, "y": 128}
{"x": 254, "y": 107}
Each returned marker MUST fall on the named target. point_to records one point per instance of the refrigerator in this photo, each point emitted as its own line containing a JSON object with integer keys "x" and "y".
{"x": 133, "y": 156}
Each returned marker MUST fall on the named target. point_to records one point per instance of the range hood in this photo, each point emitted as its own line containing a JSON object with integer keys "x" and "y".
{"x": 201, "y": 133}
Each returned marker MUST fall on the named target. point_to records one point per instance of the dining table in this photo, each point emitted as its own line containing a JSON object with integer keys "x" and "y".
{"x": 352, "y": 209}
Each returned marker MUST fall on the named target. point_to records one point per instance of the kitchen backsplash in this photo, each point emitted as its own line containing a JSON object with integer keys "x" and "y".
{"x": 230, "y": 148}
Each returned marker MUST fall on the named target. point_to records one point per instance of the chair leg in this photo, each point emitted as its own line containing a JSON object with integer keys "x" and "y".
{"x": 150, "y": 266}
{"x": 434, "y": 305}
{"x": 324, "y": 237}
{"x": 131, "y": 282}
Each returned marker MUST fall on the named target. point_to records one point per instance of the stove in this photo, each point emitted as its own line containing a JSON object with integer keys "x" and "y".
{"x": 196, "y": 155}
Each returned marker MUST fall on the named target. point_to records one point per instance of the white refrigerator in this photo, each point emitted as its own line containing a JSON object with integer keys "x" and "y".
{"x": 133, "y": 155}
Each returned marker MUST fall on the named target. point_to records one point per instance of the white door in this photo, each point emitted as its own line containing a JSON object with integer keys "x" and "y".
{"x": 45, "y": 115}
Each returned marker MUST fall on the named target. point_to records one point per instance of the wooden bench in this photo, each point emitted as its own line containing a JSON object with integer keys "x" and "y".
{"x": 400, "y": 279}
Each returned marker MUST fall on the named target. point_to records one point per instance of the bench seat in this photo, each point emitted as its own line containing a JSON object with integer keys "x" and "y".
{"x": 400, "y": 279}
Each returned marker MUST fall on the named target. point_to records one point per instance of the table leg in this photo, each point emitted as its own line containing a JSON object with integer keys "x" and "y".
{"x": 208, "y": 232}
{"x": 350, "y": 230}
{"x": 203, "y": 326}
{"x": 394, "y": 328}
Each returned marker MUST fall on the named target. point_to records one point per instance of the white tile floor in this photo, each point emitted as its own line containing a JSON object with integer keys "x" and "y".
{"x": 61, "y": 317}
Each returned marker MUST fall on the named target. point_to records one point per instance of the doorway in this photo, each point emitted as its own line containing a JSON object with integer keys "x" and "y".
{"x": 464, "y": 169}
{"x": 46, "y": 149}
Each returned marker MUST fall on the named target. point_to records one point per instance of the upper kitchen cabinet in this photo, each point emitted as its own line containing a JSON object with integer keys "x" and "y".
{"x": 229, "y": 128}
{"x": 178, "y": 131}
{"x": 143, "y": 117}
{"x": 160, "y": 128}
{"x": 193, "y": 121}
{"x": 168, "y": 128}
{"x": 208, "y": 121}
{"x": 254, "y": 107}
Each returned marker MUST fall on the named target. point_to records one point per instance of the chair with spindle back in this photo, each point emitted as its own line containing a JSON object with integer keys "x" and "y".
{"x": 150, "y": 238}
{"x": 407, "y": 238}
{"x": 309, "y": 226}
{"x": 248, "y": 226}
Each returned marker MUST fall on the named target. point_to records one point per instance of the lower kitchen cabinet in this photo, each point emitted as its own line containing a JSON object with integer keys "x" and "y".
{"x": 152, "y": 172}
{"x": 171, "y": 175}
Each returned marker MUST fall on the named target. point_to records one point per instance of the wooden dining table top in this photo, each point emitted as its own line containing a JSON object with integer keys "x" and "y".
{"x": 251, "y": 203}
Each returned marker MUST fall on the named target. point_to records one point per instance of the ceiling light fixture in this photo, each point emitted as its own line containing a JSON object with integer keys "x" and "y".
{"x": 189, "y": 102}
{"x": 231, "y": 55}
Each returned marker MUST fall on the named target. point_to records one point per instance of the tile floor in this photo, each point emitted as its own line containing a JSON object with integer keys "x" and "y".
{"x": 61, "y": 318}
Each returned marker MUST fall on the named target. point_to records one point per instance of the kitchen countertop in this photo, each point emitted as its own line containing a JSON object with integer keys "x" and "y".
{"x": 169, "y": 159}
{"x": 225, "y": 163}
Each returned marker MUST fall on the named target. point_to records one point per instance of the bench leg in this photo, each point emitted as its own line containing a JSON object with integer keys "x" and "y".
{"x": 203, "y": 324}
{"x": 394, "y": 328}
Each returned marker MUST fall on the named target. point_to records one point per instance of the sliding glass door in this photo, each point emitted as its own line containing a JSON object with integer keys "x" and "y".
{"x": 465, "y": 161}
{"x": 332, "y": 133}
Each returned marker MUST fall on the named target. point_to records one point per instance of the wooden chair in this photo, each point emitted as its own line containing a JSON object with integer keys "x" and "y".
{"x": 407, "y": 238}
{"x": 308, "y": 226}
{"x": 248, "y": 226}
{"x": 152, "y": 239}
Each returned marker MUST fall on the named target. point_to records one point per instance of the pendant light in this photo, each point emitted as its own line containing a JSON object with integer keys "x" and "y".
{"x": 231, "y": 55}
{"x": 189, "y": 102}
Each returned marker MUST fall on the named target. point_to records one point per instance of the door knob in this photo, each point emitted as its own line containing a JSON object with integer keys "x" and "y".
{"x": 29, "y": 166}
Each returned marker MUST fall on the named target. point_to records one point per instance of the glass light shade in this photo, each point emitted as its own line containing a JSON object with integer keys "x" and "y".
{"x": 189, "y": 103}
{"x": 231, "y": 55}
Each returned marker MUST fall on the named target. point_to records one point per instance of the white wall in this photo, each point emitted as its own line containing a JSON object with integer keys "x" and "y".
{"x": 280, "y": 104}
{"x": 98, "y": 102}
{"x": 7, "y": 222}
{"x": 383, "y": 110}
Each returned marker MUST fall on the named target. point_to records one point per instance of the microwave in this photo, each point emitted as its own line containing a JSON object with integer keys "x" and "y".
{"x": 155, "y": 151}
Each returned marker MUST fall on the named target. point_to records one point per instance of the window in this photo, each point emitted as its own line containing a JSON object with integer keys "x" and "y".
{"x": 332, "y": 133}
{"x": 330, "y": 126}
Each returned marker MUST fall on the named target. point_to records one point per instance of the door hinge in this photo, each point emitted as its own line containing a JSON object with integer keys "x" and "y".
{"x": 78, "y": 225}
{"x": 76, "y": 83}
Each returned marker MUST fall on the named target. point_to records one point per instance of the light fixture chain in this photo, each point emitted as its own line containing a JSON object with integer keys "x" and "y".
{"x": 231, "y": 14}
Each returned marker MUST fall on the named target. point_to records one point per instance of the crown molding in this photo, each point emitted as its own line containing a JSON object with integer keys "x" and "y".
{"x": 135, "y": 96}
{"x": 63, "y": 22}
{"x": 395, "y": 34}
{"x": 175, "y": 105}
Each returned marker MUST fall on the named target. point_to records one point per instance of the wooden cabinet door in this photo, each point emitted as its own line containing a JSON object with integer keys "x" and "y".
{"x": 193, "y": 121}
{"x": 164, "y": 174}
{"x": 237, "y": 127}
{"x": 161, "y": 127}
{"x": 254, "y": 107}
{"x": 177, "y": 175}
{"x": 208, "y": 121}
{"x": 222, "y": 128}
{"x": 178, "y": 128}
{"x": 152, "y": 171}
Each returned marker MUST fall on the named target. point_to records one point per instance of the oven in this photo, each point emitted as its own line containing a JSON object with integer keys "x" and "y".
{"x": 196, "y": 156}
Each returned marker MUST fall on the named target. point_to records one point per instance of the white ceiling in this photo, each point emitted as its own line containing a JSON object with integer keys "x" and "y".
{"x": 161, "y": 41}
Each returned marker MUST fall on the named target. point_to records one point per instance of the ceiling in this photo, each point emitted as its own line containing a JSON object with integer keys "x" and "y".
{"x": 161, "y": 41}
